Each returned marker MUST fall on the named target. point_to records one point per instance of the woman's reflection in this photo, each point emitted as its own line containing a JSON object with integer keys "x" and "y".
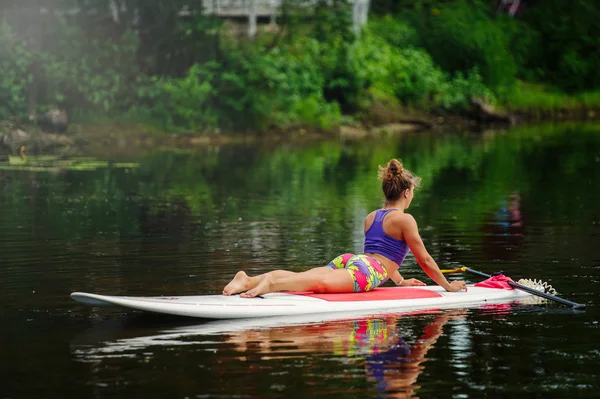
{"x": 390, "y": 362}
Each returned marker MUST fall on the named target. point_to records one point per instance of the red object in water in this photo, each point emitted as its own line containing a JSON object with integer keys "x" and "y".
{"x": 499, "y": 281}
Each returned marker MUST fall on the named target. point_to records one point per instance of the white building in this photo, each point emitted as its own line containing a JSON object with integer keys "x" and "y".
{"x": 254, "y": 9}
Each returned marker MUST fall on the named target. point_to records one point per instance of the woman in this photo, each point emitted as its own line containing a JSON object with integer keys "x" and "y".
{"x": 389, "y": 234}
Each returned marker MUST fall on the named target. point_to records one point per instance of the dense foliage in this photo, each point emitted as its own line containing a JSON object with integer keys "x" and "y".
{"x": 561, "y": 43}
{"x": 170, "y": 64}
{"x": 461, "y": 36}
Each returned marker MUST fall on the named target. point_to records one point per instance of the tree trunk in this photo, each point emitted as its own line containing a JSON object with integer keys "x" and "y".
{"x": 35, "y": 34}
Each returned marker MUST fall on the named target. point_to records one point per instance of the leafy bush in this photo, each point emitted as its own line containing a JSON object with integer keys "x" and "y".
{"x": 406, "y": 73}
{"x": 456, "y": 93}
{"x": 281, "y": 88}
{"x": 71, "y": 72}
{"x": 259, "y": 90}
{"x": 563, "y": 38}
{"x": 178, "y": 103}
{"x": 301, "y": 86}
{"x": 15, "y": 61}
{"x": 410, "y": 75}
{"x": 94, "y": 74}
{"x": 461, "y": 35}
{"x": 397, "y": 32}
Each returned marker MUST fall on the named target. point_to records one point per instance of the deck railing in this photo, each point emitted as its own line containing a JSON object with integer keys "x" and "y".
{"x": 249, "y": 9}
{"x": 252, "y": 9}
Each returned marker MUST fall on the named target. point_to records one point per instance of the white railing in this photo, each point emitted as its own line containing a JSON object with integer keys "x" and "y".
{"x": 241, "y": 7}
{"x": 250, "y": 9}
{"x": 268, "y": 6}
{"x": 271, "y": 8}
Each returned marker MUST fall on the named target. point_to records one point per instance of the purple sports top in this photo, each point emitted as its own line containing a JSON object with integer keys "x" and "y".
{"x": 377, "y": 242}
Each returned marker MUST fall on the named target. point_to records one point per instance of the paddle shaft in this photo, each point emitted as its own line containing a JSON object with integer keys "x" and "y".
{"x": 551, "y": 297}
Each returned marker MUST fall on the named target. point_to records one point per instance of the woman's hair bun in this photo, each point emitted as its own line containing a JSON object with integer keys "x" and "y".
{"x": 395, "y": 179}
{"x": 393, "y": 169}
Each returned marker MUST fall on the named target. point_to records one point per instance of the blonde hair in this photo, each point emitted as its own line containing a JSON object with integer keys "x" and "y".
{"x": 395, "y": 179}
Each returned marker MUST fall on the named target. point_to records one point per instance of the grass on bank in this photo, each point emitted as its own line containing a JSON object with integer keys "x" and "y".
{"x": 532, "y": 98}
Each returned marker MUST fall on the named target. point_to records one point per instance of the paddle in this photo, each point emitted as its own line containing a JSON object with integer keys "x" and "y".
{"x": 457, "y": 270}
{"x": 542, "y": 294}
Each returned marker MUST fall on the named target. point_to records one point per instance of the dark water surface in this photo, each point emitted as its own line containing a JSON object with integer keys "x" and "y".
{"x": 526, "y": 202}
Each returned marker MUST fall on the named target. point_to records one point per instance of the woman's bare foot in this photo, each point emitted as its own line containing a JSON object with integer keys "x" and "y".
{"x": 264, "y": 286}
{"x": 240, "y": 283}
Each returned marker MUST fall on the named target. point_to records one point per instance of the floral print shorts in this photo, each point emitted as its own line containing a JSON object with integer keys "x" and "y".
{"x": 367, "y": 272}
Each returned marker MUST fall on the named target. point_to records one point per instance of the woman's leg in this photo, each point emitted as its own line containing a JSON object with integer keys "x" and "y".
{"x": 242, "y": 282}
{"x": 338, "y": 280}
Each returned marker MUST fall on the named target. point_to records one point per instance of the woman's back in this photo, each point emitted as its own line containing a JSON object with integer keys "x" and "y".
{"x": 391, "y": 223}
{"x": 383, "y": 234}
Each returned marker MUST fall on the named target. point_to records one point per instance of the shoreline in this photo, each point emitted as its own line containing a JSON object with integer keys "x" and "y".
{"x": 125, "y": 138}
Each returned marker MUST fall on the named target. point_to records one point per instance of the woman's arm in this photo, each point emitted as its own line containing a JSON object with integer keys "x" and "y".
{"x": 397, "y": 278}
{"x": 411, "y": 235}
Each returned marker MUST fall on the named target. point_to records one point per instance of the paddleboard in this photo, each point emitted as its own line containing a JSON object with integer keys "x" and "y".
{"x": 377, "y": 301}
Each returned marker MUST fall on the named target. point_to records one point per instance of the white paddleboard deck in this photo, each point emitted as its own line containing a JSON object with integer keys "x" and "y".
{"x": 380, "y": 300}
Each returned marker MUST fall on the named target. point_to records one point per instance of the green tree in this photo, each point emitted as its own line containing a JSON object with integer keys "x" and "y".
{"x": 563, "y": 37}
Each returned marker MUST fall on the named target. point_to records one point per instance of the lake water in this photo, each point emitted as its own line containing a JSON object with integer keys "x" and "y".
{"x": 525, "y": 202}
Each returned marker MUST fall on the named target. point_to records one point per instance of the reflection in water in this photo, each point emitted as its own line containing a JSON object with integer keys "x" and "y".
{"x": 509, "y": 215}
{"x": 184, "y": 223}
{"x": 504, "y": 231}
{"x": 391, "y": 365}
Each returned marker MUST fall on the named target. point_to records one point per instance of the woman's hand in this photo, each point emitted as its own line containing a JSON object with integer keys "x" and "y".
{"x": 457, "y": 286}
{"x": 412, "y": 282}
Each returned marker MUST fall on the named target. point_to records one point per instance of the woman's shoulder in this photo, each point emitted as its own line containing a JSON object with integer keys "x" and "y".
{"x": 396, "y": 223}
{"x": 395, "y": 217}
{"x": 398, "y": 214}
{"x": 371, "y": 215}
{"x": 403, "y": 219}
{"x": 369, "y": 218}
